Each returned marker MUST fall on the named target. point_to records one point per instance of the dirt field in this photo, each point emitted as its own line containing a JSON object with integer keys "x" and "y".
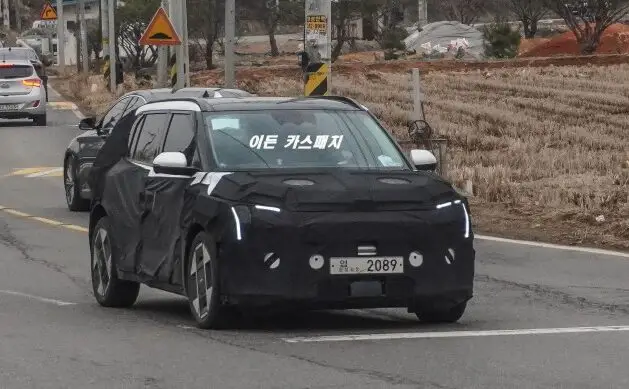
{"x": 546, "y": 149}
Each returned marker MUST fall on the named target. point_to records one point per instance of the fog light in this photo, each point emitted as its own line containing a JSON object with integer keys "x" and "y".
{"x": 316, "y": 262}
{"x": 416, "y": 259}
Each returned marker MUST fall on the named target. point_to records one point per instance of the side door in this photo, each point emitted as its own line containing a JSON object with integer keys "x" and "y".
{"x": 126, "y": 187}
{"x": 162, "y": 225}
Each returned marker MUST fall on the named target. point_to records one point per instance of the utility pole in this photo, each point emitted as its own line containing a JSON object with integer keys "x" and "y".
{"x": 18, "y": 16}
{"x": 230, "y": 32}
{"x": 104, "y": 28}
{"x": 176, "y": 15}
{"x": 61, "y": 38}
{"x": 423, "y": 14}
{"x": 83, "y": 33}
{"x": 5, "y": 15}
{"x": 185, "y": 41}
{"x": 318, "y": 47}
{"x": 162, "y": 58}
{"x": 112, "y": 46}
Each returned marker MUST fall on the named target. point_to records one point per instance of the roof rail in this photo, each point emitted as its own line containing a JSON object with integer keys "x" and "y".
{"x": 342, "y": 99}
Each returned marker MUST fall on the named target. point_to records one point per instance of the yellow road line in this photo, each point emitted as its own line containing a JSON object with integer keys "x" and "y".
{"x": 50, "y": 222}
{"x": 27, "y": 171}
{"x": 16, "y": 213}
{"x": 75, "y": 228}
{"x": 47, "y": 221}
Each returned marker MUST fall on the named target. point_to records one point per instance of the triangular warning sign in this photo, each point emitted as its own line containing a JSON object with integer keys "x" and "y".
{"x": 48, "y": 13}
{"x": 160, "y": 31}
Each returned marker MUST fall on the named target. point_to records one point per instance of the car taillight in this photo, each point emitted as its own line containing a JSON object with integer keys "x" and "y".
{"x": 32, "y": 82}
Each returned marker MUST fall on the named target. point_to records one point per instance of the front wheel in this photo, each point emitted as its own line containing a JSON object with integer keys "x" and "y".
{"x": 72, "y": 188}
{"x": 108, "y": 290}
{"x": 441, "y": 313}
{"x": 202, "y": 286}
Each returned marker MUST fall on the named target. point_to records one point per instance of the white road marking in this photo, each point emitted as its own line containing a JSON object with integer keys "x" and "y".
{"x": 554, "y": 246}
{"x": 45, "y": 173}
{"x": 38, "y": 298}
{"x": 455, "y": 334}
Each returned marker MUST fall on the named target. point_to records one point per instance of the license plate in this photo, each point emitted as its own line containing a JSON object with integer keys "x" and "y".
{"x": 372, "y": 265}
{"x": 9, "y": 107}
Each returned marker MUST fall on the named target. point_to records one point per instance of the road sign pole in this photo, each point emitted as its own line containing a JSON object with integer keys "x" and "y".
{"x": 112, "y": 45}
{"x": 162, "y": 32}
{"x": 61, "y": 38}
{"x": 318, "y": 47}
{"x": 230, "y": 32}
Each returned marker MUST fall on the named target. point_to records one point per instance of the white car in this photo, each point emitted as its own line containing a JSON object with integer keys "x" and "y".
{"x": 22, "y": 92}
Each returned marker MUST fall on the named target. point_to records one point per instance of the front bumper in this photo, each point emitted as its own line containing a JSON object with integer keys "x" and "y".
{"x": 248, "y": 279}
{"x": 29, "y": 106}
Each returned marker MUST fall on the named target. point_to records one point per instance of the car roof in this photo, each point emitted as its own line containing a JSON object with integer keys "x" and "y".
{"x": 196, "y": 92}
{"x": 16, "y": 62}
{"x": 13, "y": 49}
{"x": 257, "y": 103}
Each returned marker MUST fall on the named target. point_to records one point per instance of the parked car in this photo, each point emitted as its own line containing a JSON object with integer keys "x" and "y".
{"x": 80, "y": 154}
{"x": 22, "y": 93}
{"x": 267, "y": 202}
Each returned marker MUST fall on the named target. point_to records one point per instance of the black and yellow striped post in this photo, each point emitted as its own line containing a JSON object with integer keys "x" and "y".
{"x": 317, "y": 79}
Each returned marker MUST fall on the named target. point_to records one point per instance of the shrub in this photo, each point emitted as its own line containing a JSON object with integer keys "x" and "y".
{"x": 501, "y": 41}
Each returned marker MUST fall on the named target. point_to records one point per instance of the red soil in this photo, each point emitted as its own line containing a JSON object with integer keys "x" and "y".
{"x": 615, "y": 40}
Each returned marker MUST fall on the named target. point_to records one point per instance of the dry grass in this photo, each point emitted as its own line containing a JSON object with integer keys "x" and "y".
{"x": 547, "y": 149}
{"x": 548, "y": 145}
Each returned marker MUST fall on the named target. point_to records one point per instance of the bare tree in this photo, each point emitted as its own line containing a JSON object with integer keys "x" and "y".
{"x": 529, "y": 12}
{"x": 464, "y": 11}
{"x": 588, "y": 20}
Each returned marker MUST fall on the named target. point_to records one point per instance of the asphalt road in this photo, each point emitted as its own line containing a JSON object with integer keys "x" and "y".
{"x": 54, "y": 335}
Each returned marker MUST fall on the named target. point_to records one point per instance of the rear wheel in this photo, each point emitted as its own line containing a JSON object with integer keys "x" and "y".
{"x": 40, "y": 120}
{"x": 72, "y": 188}
{"x": 441, "y": 313}
{"x": 108, "y": 290}
{"x": 202, "y": 284}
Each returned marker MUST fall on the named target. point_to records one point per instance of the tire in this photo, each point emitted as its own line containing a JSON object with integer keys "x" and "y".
{"x": 108, "y": 290}
{"x": 441, "y": 313}
{"x": 71, "y": 187}
{"x": 205, "y": 305}
{"x": 40, "y": 120}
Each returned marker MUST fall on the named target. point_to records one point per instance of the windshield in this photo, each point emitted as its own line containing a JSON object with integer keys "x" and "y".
{"x": 15, "y": 71}
{"x": 301, "y": 139}
{"x": 18, "y": 54}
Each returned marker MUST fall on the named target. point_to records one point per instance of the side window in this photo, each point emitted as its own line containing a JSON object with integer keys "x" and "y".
{"x": 137, "y": 127}
{"x": 149, "y": 138}
{"x": 180, "y": 135}
{"x": 135, "y": 103}
{"x": 115, "y": 113}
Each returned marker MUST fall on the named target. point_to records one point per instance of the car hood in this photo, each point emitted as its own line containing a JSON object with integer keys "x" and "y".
{"x": 337, "y": 190}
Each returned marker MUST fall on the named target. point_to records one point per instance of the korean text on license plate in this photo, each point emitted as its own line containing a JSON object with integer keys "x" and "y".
{"x": 9, "y": 107}
{"x": 366, "y": 265}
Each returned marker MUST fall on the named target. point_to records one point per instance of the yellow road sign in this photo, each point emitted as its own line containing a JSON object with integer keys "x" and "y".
{"x": 160, "y": 31}
{"x": 48, "y": 13}
{"x": 317, "y": 81}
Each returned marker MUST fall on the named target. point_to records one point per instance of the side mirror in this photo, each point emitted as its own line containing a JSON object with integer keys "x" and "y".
{"x": 87, "y": 124}
{"x": 174, "y": 163}
{"x": 424, "y": 160}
